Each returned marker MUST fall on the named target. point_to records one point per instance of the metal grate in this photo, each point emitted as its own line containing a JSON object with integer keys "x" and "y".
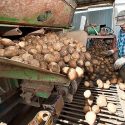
{"x": 72, "y": 114}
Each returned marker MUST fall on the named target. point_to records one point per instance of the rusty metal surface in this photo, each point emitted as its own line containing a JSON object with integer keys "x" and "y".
{"x": 54, "y": 104}
{"x": 13, "y": 69}
{"x": 36, "y": 86}
{"x": 26, "y": 12}
{"x": 31, "y": 89}
{"x": 83, "y": 3}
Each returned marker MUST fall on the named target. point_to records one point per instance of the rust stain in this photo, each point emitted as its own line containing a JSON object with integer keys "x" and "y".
{"x": 30, "y": 9}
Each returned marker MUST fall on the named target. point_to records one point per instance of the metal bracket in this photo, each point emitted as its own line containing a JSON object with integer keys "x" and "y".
{"x": 10, "y": 30}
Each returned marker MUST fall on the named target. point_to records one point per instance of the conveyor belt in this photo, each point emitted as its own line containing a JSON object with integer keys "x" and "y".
{"x": 72, "y": 114}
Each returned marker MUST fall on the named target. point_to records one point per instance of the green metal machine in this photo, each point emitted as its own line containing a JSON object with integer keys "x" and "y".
{"x": 28, "y": 84}
{"x": 36, "y": 84}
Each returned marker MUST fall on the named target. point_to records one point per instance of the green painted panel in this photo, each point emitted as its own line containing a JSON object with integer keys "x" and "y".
{"x": 28, "y": 74}
{"x": 9, "y": 19}
{"x": 14, "y": 70}
{"x": 36, "y": 76}
{"x": 42, "y": 95}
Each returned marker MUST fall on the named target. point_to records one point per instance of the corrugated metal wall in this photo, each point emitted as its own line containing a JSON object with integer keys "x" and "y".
{"x": 77, "y": 20}
{"x": 99, "y": 17}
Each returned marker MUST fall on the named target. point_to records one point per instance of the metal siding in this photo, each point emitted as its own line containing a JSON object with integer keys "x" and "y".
{"x": 77, "y": 20}
{"x": 94, "y": 17}
{"x": 101, "y": 17}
